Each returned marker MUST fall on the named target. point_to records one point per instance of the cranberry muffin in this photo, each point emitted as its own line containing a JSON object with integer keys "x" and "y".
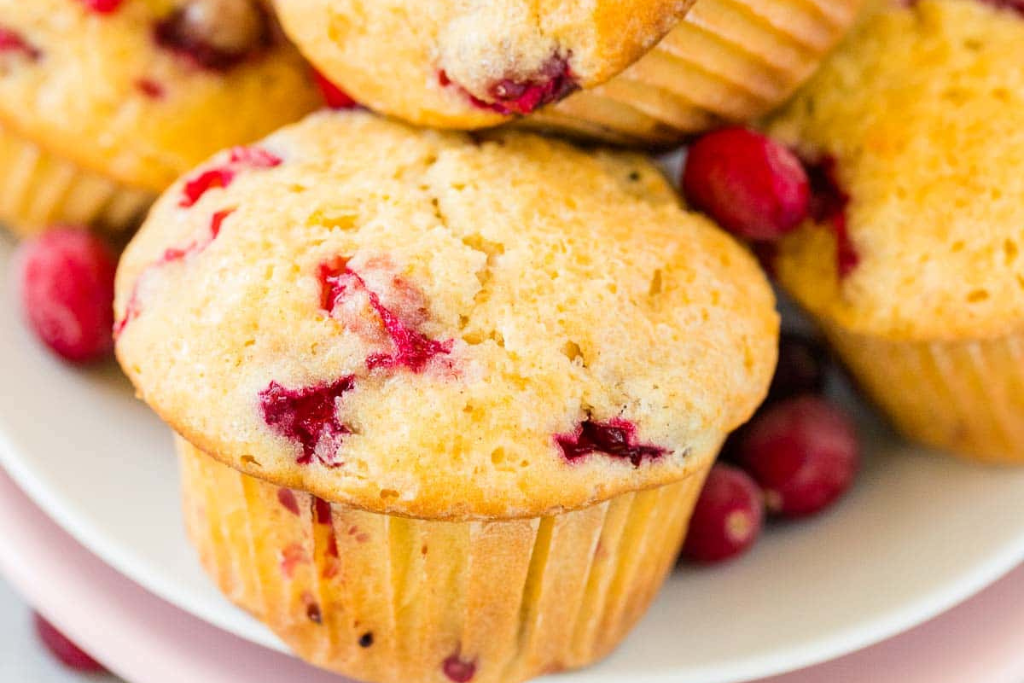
{"x": 728, "y": 61}
{"x": 104, "y": 103}
{"x": 913, "y": 264}
{"x": 446, "y": 401}
{"x": 472, "y": 64}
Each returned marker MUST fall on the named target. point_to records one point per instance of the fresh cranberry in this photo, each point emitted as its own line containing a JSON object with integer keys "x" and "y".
{"x": 751, "y": 185}
{"x": 67, "y": 291}
{"x": 615, "y": 438}
{"x": 459, "y": 670}
{"x": 215, "y": 34}
{"x": 102, "y": 6}
{"x": 828, "y": 204}
{"x": 803, "y": 452}
{"x": 410, "y": 349}
{"x": 63, "y": 649}
{"x": 309, "y": 416}
{"x": 802, "y": 367}
{"x": 521, "y": 96}
{"x": 12, "y": 41}
{"x": 728, "y": 516}
{"x": 335, "y": 97}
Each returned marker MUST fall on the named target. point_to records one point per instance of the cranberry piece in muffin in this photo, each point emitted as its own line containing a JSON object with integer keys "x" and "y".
{"x": 615, "y": 438}
{"x": 308, "y": 416}
{"x": 287, "y": 499}
{"x": 1012, "y": 5}
{"x": 518, "y": 95}
{"x": 334, "y": 96}
{"x": 459, "y": 670}
{"x": 828, "y": 205}
{"x": 222, "y": 176}
{"x": 411, "y": 349}
{"x": 103, "y": 6}
{"x": 13, "y": 42}
{"x": 216, "y": 34}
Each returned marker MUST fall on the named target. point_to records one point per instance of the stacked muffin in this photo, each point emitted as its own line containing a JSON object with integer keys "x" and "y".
{"x": 103, "y": 104}
{"x": 444, "y": 401}
{"x": 912, "y": 260}
{"x": 442, "y": 411}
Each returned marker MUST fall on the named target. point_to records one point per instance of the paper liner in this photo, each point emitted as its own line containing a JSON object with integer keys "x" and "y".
{"x": 392, "y": 600}
{"x": 966, "y": 397}
{"x": 39, "y": 190}
{"x": 727, "y": 61}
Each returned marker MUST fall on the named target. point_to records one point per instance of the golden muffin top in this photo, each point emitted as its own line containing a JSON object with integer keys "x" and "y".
{"x": 143, "y": 90}
{"x": 440, "y": 325}
{"x": 473, "y": 63}
{"x": 915, "y": 131}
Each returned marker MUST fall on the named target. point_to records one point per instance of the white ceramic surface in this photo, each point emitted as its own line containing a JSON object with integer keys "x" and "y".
{"x": 146, "y": 640}
{"x": 917, "y": 535}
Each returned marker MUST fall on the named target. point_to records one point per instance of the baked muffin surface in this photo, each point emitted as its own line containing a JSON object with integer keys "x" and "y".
{"x": 437, "y": 325}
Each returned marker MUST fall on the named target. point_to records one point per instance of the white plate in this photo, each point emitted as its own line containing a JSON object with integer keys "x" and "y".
{"x": 918, "y": 534}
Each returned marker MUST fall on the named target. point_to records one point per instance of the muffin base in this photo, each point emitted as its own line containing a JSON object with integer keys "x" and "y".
{"x": 966, "y": 397}
{"x": 391, "y": 599}
{"x": 39, "y": 189}
{"x": 727, "y": 61}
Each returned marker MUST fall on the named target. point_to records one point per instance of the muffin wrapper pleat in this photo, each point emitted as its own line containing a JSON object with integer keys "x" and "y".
{"x": 391, "y": 599}
{"x": 728, "y": 61}
{"x": 39, "y": 189}
{"x": 965, "y": 397}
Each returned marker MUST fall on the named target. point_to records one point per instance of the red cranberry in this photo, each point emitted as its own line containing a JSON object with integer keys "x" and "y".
{"x": 67, "y": 291}
{"x": 751, "y": 185}
{"x": 803, "y": 362}
{"x": 335, "y": 97}
{"x": 12, "y": 41}
{"x": 309, "y": 416}
{"x": 63, "y": 649}
{"x": 522, "y": 96}
{"x": 803, "y": 452}
{"x": 615, "y": 438}
{"x": 727, "y": 519}
{"x": 828, "y": 205}
{"x": 215, "y": 34}
{"x": 102, "y": 6}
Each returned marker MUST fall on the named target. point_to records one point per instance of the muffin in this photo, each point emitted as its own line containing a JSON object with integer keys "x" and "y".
{"x": 472, "y": 64}
{"x": 912, "y": 263}
{"x": 728, "y": 61}
{"x": 446, "y": 401}
{"x": 104, "y": 103}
